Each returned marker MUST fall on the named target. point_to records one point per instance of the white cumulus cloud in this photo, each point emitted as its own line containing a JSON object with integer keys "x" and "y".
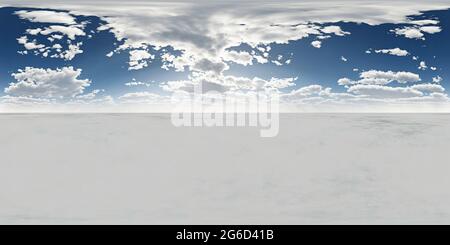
{"x": 422, "y": 66}
{"x": 394, "y": 51}
{"x": 139, "y": 59}
{"x": 417, "y": 32}
{"x": 242, "y": 57}
{"x": 375, "y": 77}
{"x": 384, "y": 92}
{"x": 336, "y": 30}
{"x": 47, "y": 83}
{"x": 316, "y": 44}
{"x": 45, "y": 16}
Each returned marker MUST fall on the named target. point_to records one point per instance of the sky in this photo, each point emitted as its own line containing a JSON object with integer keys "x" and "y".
{"x": 316, "y": 56}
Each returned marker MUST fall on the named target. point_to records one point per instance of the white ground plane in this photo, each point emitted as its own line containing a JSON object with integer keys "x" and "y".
{"x": 139, "y": 169}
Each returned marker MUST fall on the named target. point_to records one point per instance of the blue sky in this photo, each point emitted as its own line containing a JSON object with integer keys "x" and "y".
{"x": 311, "y": 56}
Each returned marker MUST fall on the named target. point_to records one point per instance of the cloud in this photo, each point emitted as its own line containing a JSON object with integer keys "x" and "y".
{"x": 134, "y": 83}
{"x": 197, "y": 85}
{"x": 70, "y": 53}
{"x": 387, "y": 92}
{"x": 384, "y": 92}
{"x": 429, "y": 87}
{"x": 47, "y": 83}
{"x": 29, "y": 45}
{"x": 55, "y": 51}
{"x": 139, "y": 59}
{"x": 260, "y": 59}
{"x": 242, "y": 58}
{"x": 422, "y": 66}
{"x": 364, "y": 95}
{"x": 390, "y": 76}
{"x": 373, "y": 86}
{"x": 409, "y": 32}
{"x": 315, "y": 94}
{"x": 346, "y": 82}
{"x": 24, "y": 101}
{"x": 336, "y": 30}
{"x": 44, "y": 16}
{"x": 91, "y": 98}
{"x": 309, "y": 91}
{"x": 437, "y": 79}
{"x": 67, "y": 27}
{"x": 417, "y": 32}
{"x": 394, "y": 51}
{"x": 277, "y": 83}
{"x": 431, "y": 29}
{"x": 85, "y": 103}
{"x": 207, "y": 65}
{"x": 374, "y": 77}
{"x": 277, "y": 63}
{"x": 142, "y": 98}
{"x": 424, "y": 22}
{"x": 367, "y": 11}
{"x": 177, "y": 62}
{"x": 231, "y": 84}
{"x": 70, "y": 31}
{"x": 316, "y": 44}
{"x": 439, "y": 98}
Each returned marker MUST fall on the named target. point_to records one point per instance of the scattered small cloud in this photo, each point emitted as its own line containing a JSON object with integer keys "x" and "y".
{"x": 316, "y": 44}
{"x": 394, "y": 51}
{"x": 416, "y": 32}
{"x": 422, "y": 66}
{"x": 437, "y": 79}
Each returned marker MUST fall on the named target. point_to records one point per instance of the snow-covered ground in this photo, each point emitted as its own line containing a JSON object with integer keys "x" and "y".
{"x": 139, "y": 169}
